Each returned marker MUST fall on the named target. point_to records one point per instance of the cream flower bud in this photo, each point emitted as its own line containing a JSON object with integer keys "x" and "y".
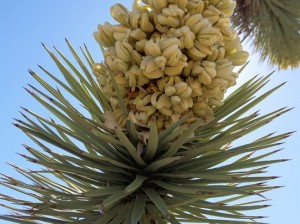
{"x": 121, "y": 32}
{"x": 140, "y": 45}
{"x": 175, "y": 70}
{"x": 163, "y": 102}
{"x": 200, "y": 25}
{"x": 134, "y": 19}
{"x": 214, "y": 54}
{"x": 120, "y": 119}
{"x": 232, "y": 46}
{"x": 210, "y": 68}
{"x": 173, "y": 54}
{"x": 158, "y": 4}
{"x": 175, "y": 100}
{"x": 142, "y": 101}
{"x": 122, "y": 83}
{"x": 171, "y": 16}
{"x": 167, "y": 112}
{"x": 135, "y": 77}
{"x": 104, "y": 35}
{"x": 135, "y": 118}
{"x": 182, "y": 106}
{"x": 165, "y": 43}
{"x": 150, "y": 68}
{"x": 152, "y": 49}
{"x": 187, "y": 70}
{"x": 142, "y": 80}
{"x": 167, "y": 81}
{"x": 239, "y": 58}
{"x": 121, "y": 80}
{"x": 196, "y": 54}
{"x": 195, "y": 6}
{"x": 168, "y": 20}
{"x": 211, "y": 13}
{"x": 180, "y": 3}
{"x": 197, "y": 69}
{"x": 218, "y": 83}
{"x": 146, "y": 25}
{"x": 123, "y": 50}
{"x": 226, "y": 7}
{"x": 138, "y": 34}
{"x": 120, "y": 65}
{"x": 224, "y": 68}
{"x": 160, "y": 122}
{"x": 187, "y": 37}
{"x": 173, "y": 10}
{"x": 228, "y": 32}
{"x": 232, "y": 79}
{"x": 139, "y": 97}
{"x": 175, "y": 58}
{"x": 161, "y": 28}
{"x": 205, "y": 78}
{"x": 180, "y": 88}
{"x": 161, "y": 62}
{"x": 193, "y": 20}
{"x": 198, "y": 107}
{"x": 110, "y": 55}
{"x": 169, "y": 91}
{"x": 103, "y": 81}
{"x": 209, "y": 35}
{"x": 199, "y": 51}
{"x": 99, "y": 69}
{"x": 215, "y": 102}
{"x": 195, "y": 85}
{"x": 221, "y": 53}
{"x": 136, "y": 58}
{"x": 187, "y": 93}
{"x": 120, "y": 14}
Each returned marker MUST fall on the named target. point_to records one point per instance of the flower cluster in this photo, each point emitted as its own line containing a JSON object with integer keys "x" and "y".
{"x": 169, "y": 58}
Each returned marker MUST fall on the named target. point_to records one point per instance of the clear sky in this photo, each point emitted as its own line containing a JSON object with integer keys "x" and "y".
{"x": 24, "y": 24}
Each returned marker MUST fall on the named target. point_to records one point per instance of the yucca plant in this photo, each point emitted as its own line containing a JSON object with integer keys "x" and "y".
{"x": 154, "y": 140}
{"x": 272, "y": 27}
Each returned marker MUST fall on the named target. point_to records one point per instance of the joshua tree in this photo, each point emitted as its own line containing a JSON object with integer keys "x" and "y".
{"x": 273, "y": 27}
{"x": 154, "y": 140}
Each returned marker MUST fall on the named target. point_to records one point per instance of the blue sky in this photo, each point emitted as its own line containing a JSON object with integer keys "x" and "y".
{"x": 24, "y": 24}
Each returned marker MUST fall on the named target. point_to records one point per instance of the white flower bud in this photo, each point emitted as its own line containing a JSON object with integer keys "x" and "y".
{"x": 99, "y": 69}
{"x": 158, "y": 4}
{"x": 161, "y": 62}
{"x": 146, "y": 25}
{"x": 195, "y": 6}
{"x": 152, "y": 49}
{"x": 123, "y": 50}
{"x": 209, "y": 36}
{"x": 138, "y": 34}
{"x": 104, "y": 35}
{"x": 170, "y": 91}
{"x": 239, "y": 58}
{"x": 120, "y": 14}
{"x": 211, "y": 13}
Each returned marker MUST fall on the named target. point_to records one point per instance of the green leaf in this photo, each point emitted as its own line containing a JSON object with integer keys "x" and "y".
{"x": 152, "y": 143}
{"x": 113, "y": 199}
{"x": 138, "y": 208}
{"x": 157, "y": 200}
{"x": 136, "y": 184}
{"x": 159, "y": 164}
{"x": 130, "y": 147}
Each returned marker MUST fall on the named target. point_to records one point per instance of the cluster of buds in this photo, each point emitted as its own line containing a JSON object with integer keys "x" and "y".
{"x": 169, "y": 58}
